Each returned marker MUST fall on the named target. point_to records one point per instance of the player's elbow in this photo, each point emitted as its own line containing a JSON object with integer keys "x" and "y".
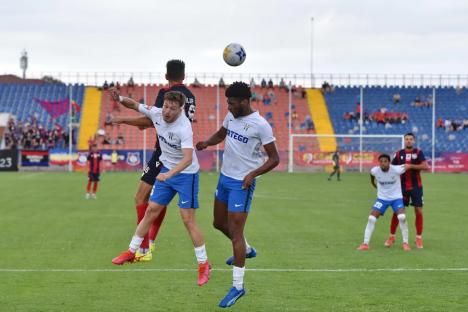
{"x": 274, "y": 160}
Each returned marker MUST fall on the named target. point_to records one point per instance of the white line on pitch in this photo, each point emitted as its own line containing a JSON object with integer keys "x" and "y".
{"x": 251, "y": 270}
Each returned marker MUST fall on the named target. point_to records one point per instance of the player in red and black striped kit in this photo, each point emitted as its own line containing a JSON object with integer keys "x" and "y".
{"x": 411, "y": 186}
{"x": 94, "y": 163}
{"x": 175, "y": 75}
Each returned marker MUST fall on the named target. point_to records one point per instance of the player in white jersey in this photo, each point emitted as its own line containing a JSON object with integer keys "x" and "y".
{"x": 388, "y": 194}
{"x": 245, "y": 132}
{"x": 179, "y": 175}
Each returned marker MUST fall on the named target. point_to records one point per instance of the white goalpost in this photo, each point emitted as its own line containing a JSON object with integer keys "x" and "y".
{"x": 313, "y": 152}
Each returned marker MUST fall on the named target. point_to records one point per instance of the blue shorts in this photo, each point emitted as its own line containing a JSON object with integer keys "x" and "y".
{"x": 230, "y": 192}
{"x": 382, "y": 205}
{"x": 185, "y": 184}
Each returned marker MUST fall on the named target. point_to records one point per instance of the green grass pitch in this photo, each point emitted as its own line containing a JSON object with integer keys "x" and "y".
{"x": 56, "y": 248}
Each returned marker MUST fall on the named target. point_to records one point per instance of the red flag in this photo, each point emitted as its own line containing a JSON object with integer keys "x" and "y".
{"x": 54, "y": 108}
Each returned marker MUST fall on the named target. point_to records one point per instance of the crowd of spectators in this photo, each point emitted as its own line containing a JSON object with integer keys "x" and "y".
{"x": 31, "y": 135}
{"x": 382, "y": 116}
{"x": 451, "y": 125}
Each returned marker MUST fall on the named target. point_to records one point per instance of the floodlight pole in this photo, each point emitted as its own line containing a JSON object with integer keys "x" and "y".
{"x": 312, "y": 78}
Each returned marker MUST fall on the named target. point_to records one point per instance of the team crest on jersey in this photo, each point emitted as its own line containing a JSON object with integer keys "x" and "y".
{"x": 133, "y": 158}
{"x": 246, "y": 127}
{"x": 171, "y": 135}
{"x": 414, "y": 156}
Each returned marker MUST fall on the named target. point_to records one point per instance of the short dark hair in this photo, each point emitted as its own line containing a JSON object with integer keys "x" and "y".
{"x": 175, "y": 70}
{"x": 384, "y": 156}
{"x": 175, "y": 96}
{"x": 410, "y": 134}
{"x": 239, "y": 90}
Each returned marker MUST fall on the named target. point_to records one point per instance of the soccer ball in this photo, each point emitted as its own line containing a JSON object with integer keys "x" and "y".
{"x": 234, "y": 54}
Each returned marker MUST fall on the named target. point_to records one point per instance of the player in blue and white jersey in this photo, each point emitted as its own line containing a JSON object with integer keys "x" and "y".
{"x": 388, "y": 194}
{"x": 179, "y": 175}
{"x": 245, "y": 133}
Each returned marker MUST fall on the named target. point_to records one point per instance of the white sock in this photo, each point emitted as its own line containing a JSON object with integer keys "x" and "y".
{"x": 238, "y": 277}
{"x": 248, "y": 248}
{"x": 369, "y": 229}
{"x": 135, "y": 243}
{"x": 200, "y": 253}
{"x": 403, "y": 227}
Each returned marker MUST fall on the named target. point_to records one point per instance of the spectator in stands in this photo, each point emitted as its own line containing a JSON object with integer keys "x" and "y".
{"x": 221, "y": 83}
{"x": 271, "y": 94}
{"x": 270, "y": 83}
{"x": 120, "y": 139}
{"x": 111, "y": 85}
{"x": 266, "y": 99}
{"x": 358, "y": 110}
{"x": 196, "y": 83}
{"x": 440, "y": 123}
{"x": 282, "y": 84}
{"x": 459, "y": 90}
{"x": 130, "y": 87}
{"x": 105, "y": 86}
{"x": 308, "y": 123}
{"x": 252, "y": 84}
{"x": 326, "y": 87}
{"x": 396, "y": 98}
{"x": 108, "y": 120}
{"x": 263, "y": 84}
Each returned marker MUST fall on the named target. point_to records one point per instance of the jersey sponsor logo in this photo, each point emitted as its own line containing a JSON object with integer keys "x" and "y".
{"x": 237, "y": 136}
{"x": 387, "y": 182}
{"x": 237, "y": 205}
{"x": 184, "y": 202}
{"x": 246, "y": 127}
{"x": 163, "y": 139}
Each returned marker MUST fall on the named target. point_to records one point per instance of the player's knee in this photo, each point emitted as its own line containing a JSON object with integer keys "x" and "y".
{"x": 402, "y": 217}
{"x": 372, "y": 219}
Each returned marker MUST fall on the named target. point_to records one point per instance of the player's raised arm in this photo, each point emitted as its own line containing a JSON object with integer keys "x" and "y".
{"x": 127, "y": 102}
{"x": 142, "y": 122}
{"x": 216, "y": 138}
{"x": 270, "y": 164}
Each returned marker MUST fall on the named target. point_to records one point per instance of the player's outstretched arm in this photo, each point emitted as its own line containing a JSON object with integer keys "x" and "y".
{"x": 184, "y": 163}
{"x": 127, "y": 102}
{"x": 272, "y": 162}
{"x": 216, "y": 138}
{"x": 142, "y": 122}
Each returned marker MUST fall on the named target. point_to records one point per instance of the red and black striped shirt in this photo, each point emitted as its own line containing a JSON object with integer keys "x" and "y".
{"x": 411, "y": 178}
{"x": 94, "y": 160}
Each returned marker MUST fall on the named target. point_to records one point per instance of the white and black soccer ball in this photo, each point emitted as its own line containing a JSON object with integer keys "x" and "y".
{"x": 234, "y": 54}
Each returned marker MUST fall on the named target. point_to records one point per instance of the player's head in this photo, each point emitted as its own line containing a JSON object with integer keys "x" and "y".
{"x": 238, "y": 98}
{"x": 409, "y": 140}
{"x": 94, "y": 147}
{"x": 173, "y": 104}
{"x": 175, "y": 70}
{"x": 384, "y": 162}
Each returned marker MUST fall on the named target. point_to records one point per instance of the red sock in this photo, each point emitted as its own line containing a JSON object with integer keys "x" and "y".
{"x": 153, "y": 232}
{"x": 95, "y": 187}
{"x": 394, "y": 224}
{"x": 141, "y": 209}
{"x": 419, "y": 223}
{"x": 88, "y": 188}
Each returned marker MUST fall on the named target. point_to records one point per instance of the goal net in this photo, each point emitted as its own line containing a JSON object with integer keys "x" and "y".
{"x": 313, "y": 152}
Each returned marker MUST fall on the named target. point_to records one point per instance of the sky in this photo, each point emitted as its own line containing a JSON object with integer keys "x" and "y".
{"x": 359, "y": 36}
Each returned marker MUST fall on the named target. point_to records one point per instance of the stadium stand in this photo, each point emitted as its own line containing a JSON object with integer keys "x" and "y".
{"x": 273, "y": 108}
{"x": 414, "y": 101}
